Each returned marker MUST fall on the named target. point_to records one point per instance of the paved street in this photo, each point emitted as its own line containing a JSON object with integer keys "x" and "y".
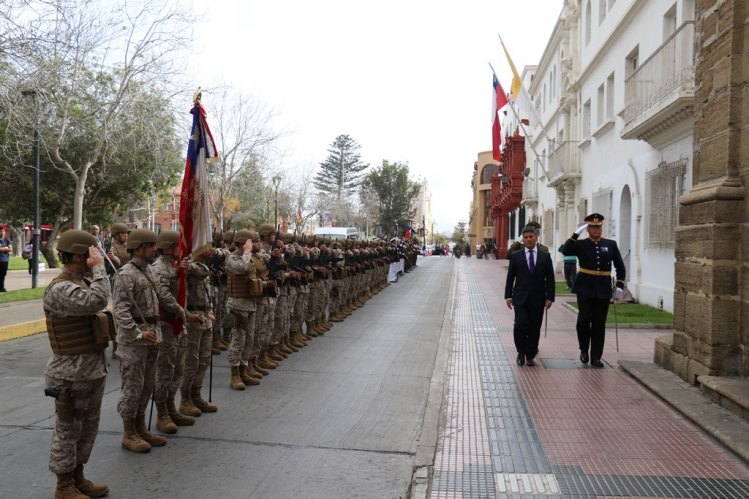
{"x": 418, "y": 385}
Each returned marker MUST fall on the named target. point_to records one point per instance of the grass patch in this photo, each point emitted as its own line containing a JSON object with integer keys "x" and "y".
{"x": 561, "y": 288}
{"x": 18, "y": 263}
{"x": 22, "y": 295}
{"x": 636, "y": 313}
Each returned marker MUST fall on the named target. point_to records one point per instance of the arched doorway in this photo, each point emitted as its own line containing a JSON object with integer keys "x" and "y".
{"x": 625, "y": 226}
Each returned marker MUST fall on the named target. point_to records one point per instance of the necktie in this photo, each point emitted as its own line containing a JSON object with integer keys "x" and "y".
{"x": 531, "y": 262}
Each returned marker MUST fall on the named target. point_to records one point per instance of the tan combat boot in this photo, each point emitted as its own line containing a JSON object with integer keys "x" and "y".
{"x": 297, "y": 341}
{"x": 244, "y": 375}
{"x": 253, "y": 372}
{"x": 310, "y": 330}
{"x": 187, "y": 406}
{"x": 275, "y": 355}
{"x": 178, "y": 418}
{"x": 236, "y": 381}
{"x": 152, "y": 439}
{"x": 222, "y": 345}
{"x": 163, "y": 422}
{"x": 87, "y": 487}
{"x": 66, "y": 488}
{"x": 284, "y": 349}
{"x": 131, "y": 440}
{"x": 289, "y": 346}
{"x": 265, "y": 362}
{"x": 199, "y": 402}
{"x": 261, "y": 370}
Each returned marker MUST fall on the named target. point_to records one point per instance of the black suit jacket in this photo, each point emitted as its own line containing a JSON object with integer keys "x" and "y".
{"x": 526, "y": 288}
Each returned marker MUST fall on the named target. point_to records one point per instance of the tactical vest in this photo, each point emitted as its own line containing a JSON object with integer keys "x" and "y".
{"x": 244, "y": 286}
{"x": 78, "y": 334}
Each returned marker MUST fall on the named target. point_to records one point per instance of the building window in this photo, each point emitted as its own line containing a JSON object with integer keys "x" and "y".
{"x": 632, "y": 62}
{"x": 610, "y": 97}
{"x": 587, "y": 22}
{"x": 586, "y": 119}
{"x": 487, "y": 172}
{"x": 665, "y": 185}
{"x": 601, "y": 103}
{"x": 669, "y": 22}
{"x": 488, "y": 220}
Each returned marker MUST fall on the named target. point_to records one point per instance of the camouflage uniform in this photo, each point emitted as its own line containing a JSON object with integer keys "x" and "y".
{"x": 135, "y": 294}
{"x": 119, "y": 250}
{"x": 84, "y": 374}
{"x": 239, "y": 266}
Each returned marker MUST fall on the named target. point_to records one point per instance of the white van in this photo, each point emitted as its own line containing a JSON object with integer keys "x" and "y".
{"x": 337, "y": 232}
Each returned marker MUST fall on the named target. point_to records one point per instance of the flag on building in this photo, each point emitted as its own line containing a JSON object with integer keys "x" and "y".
{"x": 194, "y": 217}
{"x": 499, "y": 100}
{"x": 520, "y": 96}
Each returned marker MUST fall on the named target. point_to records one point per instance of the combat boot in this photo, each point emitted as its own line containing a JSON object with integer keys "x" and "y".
{"x": 287, "y": 344}
{"x": 284, "y": 349}
{"x": 262, "y": 371}
{"x": 244, "y": 375}
{"x": 200, "y": 403}
{"x": 253, "y": 372}
{"x": 236, "y": 381}
{"x": 178, "y": 418}
{"x": 131, "y": 440}
{"x": 153, "y": 439}
{"x": 265, "y": 361}
{"x": 66, "y": 488}
{"x": 163, "y": 422}
{"x": 297, "y": 340}
{"x": 310, "y": 330}
{"x": 275, "y": 355}
{"x": 87, "y": 487}
{"x": 187, "y": 406}
{"x": 222, "y": 345}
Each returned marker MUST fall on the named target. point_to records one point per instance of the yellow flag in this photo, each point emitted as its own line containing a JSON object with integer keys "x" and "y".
{"x": 515, "y": 87}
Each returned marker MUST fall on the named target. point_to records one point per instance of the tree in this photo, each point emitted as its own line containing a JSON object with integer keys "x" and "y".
{"x": 94, "y": 70}
{"x": 244, "y": 136}
{"x": 343, "y": 171}
{"x": 459, "y": 232}
{"x": 394, "y": 193}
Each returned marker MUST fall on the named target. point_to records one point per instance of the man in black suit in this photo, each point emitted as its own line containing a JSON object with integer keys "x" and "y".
{"x": 530, "y": 290}
{"x": 592, "y": 286}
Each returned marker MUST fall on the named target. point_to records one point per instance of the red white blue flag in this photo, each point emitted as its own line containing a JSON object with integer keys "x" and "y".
{"x": 499, "y": 100}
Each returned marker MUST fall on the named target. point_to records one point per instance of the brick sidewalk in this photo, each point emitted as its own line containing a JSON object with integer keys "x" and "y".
{"x": 560, "y": 428}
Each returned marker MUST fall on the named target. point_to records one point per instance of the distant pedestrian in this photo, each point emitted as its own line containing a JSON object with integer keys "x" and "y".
{"x": 593, "y": 285}
{"x": 529, "y": 289}
{"x": 6, "y": 246}
{"x": 570, "y": 268}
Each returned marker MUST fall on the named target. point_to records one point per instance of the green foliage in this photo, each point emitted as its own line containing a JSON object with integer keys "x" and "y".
{"x": 22, "y": 295}
{"x": 343, "y": 171}
{"x": 635, "y": 313}
{"x": 393, "y": 192}
{"x": 459, "y": 232}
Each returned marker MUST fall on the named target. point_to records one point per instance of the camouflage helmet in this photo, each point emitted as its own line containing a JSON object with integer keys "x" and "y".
{"x": 167, "y": 239}
{"x": 140, "y": 236}
{"x": 241, "y": 236}
{"x": 119, "y": 228}
{"x": 266, "y": 229}
{"x": 228, "y": 235}
{"x": 76, "y": 242}
{"x": 288, "y": 237}
{"x": 254, "y": 236}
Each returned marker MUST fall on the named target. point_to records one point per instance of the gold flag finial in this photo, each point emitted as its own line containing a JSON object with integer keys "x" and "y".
{"x": 197, "y": 96}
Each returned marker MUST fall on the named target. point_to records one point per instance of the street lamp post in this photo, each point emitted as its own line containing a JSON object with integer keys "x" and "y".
{"x": 276, "y": 180}
{"x": 36, "y": 239}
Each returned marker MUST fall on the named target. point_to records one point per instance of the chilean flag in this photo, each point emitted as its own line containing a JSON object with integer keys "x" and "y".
{"x": 499, "y": 100}
{"x": 194, "y": 217}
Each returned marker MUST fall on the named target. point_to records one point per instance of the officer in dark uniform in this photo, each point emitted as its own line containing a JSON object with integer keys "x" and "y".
{"x": 593, "y": 284}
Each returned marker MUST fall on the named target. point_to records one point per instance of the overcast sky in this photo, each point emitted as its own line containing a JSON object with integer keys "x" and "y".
{"x": 408, "y": 79}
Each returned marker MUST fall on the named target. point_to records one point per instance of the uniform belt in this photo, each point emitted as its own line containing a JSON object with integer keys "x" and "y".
{"x": 149, "y": 320}
{"x": 603, "y": 273}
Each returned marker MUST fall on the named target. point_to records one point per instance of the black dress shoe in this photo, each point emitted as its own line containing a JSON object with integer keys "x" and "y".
{"x": 584, "y": 357}
{"x": 530, "y": 361}
{"x": 596, "y": 363}
{"x": 521, "y": 359}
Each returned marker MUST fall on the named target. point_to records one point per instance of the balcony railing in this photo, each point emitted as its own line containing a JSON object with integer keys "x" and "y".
{"x": 661, "y": 91}
{"x": 564, "y": 162}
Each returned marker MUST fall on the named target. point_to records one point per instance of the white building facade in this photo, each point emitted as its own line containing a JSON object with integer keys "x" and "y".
{"x": 614, "y": 91}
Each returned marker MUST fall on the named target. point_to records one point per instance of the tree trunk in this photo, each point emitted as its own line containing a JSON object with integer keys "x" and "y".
{"x": 80, "y": 191}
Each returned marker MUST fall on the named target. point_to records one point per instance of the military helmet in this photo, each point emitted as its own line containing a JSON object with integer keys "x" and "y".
{"x": 288, "y": 237}
{"x": 140, "y": 236}
{"x": 76, "y": 242}
{"x": 119, "y": 228}
{"x": 266, "y": 229}
{"x": 254, "y": 236}
{"x": 241, "y": 236}
{"x": 228, "y": 235}
{"x": 167, "y": 239}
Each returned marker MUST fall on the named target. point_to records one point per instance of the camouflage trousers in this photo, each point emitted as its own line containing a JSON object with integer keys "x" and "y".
{"x": 335, "y": 296}
{"x": 137, "y": 369}
{"x": 198, "y": 352}
{"x": 280, "y": 315}
{"x": 327, "y": 289}
{"x": 312, "y": 301}
{"x": 242, "y": 337}
{"x": 299, "y": 310}
{"x": 170, "y": 364}
{"x": 266, "y": 313}
{"x": 73, "y": 436}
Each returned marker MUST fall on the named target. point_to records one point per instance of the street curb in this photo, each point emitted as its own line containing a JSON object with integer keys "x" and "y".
{"x": 727, "y": 427}
{"x": 22, "y": 329}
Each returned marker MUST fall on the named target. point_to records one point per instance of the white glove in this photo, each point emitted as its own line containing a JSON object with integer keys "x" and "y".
{"x": 581, "y": 229}
{"x": 618, "y": 294}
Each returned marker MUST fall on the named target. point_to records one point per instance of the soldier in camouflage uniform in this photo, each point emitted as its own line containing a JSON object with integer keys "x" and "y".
{"x": 77, "y": 368}
{"x": 199, "y": 336}
{"x": 136, "y": 314}
{"x": 171, "y": 360}
{"x": 241, "y": 276}
{"x": 267, "y": 303}
{"x": 118, "y": 256}
{"x": 223, "y": 321}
